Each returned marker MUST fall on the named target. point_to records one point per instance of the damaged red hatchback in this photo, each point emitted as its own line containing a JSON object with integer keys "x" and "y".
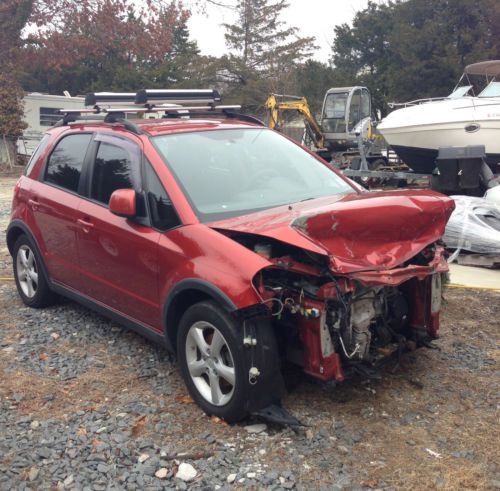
{"x": 231, "y": 245}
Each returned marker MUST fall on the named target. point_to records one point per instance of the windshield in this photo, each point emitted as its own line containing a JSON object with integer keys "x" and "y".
{"x": 492, "y": 90}
{"x": 333, "y": 118}
{"x": 460, "y": 92}
{"x": 228, "y": 173}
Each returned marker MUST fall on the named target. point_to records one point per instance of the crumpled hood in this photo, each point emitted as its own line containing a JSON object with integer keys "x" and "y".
{"x": 359, "y": 232}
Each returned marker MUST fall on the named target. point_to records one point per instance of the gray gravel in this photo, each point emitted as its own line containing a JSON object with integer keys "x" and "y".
{"x": 87, "y": 405}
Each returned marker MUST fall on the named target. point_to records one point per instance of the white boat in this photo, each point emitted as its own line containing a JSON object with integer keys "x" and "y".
{"x": 417, "y": 130}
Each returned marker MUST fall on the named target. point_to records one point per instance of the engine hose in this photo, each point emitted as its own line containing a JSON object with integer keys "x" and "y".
{"x": 356, "y": 348}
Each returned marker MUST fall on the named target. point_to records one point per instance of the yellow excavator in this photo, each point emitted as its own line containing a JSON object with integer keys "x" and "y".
{"x": 344, "y": 133}
{"x": 277, "y": 104}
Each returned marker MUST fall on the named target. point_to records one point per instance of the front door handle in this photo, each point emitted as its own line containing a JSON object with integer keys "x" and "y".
{"x": 85, "y": 225}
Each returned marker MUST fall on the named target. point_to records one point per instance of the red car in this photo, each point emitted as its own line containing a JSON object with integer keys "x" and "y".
{"x": 229, "y": 244}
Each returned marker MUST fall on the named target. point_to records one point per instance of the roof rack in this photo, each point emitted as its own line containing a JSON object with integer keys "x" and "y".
{"x": 71, "y": 116}
{"x": 173, "y": 103}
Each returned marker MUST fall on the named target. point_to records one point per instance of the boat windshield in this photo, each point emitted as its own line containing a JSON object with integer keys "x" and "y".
{"x": 333, "y": 117}
{"x": 492, "y": 90}
{"x": 460, "y": 92}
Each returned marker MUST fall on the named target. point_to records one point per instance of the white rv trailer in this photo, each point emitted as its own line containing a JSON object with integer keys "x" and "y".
{"x": 40, "y": 113}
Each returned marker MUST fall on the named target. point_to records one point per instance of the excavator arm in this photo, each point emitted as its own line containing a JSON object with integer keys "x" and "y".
{"x": 276, "y": 107}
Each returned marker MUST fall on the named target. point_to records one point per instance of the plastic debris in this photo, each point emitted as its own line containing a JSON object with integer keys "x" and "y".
{"x": 473, "y": 226}
{"x": 431, "y": 452}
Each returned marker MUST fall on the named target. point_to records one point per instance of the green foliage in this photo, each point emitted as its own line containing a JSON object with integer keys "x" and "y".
{"x": 413, "y": 49}
{"x": 264, "y": 52}
{"x": 313, "y": 79}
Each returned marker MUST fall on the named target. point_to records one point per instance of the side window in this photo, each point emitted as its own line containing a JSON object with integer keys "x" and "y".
{"x": 163, "y": 214}
{"x": 65, "y": 162}
{"x": 115, "y": 167}
{"x": 365, "y": 104}
{"x": 354, "y": 109}
{"x": 36, "y": 154}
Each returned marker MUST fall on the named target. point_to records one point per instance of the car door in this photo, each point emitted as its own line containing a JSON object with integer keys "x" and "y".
{"x": 54, "y": 203}
{"x": 118, "y": 256}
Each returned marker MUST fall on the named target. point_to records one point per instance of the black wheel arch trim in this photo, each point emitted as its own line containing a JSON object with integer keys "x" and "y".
{"x": 193, "y": 284}
{"x": 21, "y": 225}
{"x": 26, "y": 230}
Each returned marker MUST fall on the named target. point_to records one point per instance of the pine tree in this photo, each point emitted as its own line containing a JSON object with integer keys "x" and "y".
{"x": 263, "y": 50}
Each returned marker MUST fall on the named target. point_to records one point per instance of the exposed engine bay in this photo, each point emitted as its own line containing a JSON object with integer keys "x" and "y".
{"x": 325, "y": 322}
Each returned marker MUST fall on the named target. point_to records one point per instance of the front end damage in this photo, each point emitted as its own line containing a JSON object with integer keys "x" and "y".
{"x": 326, "y": 322}
{"x": 351, "y": 283}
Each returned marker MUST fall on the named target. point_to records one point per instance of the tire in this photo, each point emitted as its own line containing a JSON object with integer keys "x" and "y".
{"x": 31, "y": 282}
{"x": 215, "y": 364}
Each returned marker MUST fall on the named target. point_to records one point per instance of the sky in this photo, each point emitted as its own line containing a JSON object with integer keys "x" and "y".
{"x": 312, "y": 17}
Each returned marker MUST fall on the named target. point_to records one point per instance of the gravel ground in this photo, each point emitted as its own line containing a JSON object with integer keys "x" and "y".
{"x": 84, "y": 404}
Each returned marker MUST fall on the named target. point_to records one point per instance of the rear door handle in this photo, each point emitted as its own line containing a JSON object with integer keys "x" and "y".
{"x": 85, "y": 225}
{"x": 33, "y": 204}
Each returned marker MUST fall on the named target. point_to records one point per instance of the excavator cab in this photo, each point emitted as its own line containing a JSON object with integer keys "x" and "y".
{"x": 345, "y": 110}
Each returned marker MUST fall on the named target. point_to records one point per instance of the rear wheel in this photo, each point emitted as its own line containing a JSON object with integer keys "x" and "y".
{"x": 31, "y": 282}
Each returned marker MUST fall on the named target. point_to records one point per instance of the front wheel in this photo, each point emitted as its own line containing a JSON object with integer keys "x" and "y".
{"x": 215, "y": 364}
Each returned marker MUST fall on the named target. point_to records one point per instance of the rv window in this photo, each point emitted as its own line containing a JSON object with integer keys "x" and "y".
{"x": 49, "y": 116}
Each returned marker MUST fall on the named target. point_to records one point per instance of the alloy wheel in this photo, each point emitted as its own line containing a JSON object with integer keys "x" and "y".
{"x": 27, "y": 273}
{"x": 210, "y": 363}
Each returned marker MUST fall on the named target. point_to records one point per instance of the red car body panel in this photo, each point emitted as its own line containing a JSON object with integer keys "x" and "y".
{"x": 359, "y": 232}
{"x": 198, "y": 252}
{"x": 53, "y": 221}
{"x": 118, "y": 263}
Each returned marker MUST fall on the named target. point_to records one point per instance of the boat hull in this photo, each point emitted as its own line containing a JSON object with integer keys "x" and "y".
{"x": 416, "y": 133}
{"x": 423, "y": 160}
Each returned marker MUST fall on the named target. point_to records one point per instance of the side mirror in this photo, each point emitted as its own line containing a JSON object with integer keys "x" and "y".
{"x": 123, "y": 203}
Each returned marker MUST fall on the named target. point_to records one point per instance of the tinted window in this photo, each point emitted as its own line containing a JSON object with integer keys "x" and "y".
{"x": 36, "y": 154}
{"x": 65, "y": 163}
{"x": 163, "y": 215}
{"x": 113, "y": 170}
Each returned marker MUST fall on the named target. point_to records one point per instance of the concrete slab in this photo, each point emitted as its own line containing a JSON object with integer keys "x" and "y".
{"x": 472, "y": 277}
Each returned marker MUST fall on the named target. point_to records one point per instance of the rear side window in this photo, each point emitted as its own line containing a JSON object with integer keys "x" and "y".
{"x": 66, "y": 161}
{"x": 163, "y": 214}
{"x": 36, "y": 154}
{"x": 116, "y": 167}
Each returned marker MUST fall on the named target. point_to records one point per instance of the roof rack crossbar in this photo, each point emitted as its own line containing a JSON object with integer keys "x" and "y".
{"x": 72, "y": 116}
{"x": 228, "y": 114}
{"x": 177, "y": 108}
